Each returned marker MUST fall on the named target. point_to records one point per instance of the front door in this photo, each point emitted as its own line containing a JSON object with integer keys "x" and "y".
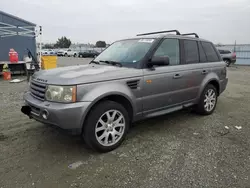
{"x": 162, "y": 83}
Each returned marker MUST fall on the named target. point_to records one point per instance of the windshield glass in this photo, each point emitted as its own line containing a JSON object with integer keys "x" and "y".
{"x": 126, "y": 52}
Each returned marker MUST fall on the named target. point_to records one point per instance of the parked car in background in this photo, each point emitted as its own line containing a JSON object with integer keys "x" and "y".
{"x": 133, "y": 79}
{"x": 88, "y": 53}
{"x": 48, "y": 52}
{"x": 67, "y": 53}
{"x": 61, "y": 52}
{"x": 228, "y": 56}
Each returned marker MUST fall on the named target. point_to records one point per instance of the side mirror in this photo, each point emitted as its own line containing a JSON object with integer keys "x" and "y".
{"x": 159, "y": 61}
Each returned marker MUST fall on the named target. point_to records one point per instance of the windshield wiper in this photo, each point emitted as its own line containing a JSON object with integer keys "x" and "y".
{"x": 96, "y": 62}
{"x": 111, "y": 62}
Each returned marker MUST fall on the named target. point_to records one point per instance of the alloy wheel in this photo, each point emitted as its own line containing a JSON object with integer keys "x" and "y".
{"x": 210, "y": 100}
{"x": 110, "y": 128}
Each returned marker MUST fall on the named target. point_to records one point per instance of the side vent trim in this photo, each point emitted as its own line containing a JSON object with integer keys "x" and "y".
{"x": 133, "y": 84}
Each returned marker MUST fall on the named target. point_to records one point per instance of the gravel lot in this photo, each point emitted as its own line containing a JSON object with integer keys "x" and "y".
{"x": 181, "y": 149}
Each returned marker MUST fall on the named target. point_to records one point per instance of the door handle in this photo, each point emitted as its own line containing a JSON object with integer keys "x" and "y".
{"x": 177, "y": 76}
{"x": 204, "y": 72}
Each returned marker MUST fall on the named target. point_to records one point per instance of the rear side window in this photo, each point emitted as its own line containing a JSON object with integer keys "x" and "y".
{"x": 210, "y": 52}
{"x": 221, "y": 51}
{"x": 170, "y": 48}
{"x": 227, "y": 52}
{"x": 224, "y": 51}
{"x": 202, "y": 54}
{"x": 191, "y": 51}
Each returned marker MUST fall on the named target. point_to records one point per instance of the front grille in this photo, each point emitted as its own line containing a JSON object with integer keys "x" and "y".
{"x": 37, "y": 89}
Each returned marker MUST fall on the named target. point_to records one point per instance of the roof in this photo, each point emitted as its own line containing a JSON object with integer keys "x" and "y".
{"x": 159, "y": 36}
{"x": 183, "y": 37}
{"x": 219, "y": 48}
{"x": 15, "y": 17}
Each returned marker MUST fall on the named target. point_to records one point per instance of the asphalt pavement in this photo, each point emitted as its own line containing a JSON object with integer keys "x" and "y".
{"x": 181, "y": 149}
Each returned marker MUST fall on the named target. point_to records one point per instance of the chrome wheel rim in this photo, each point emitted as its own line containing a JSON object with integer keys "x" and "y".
{"x": 110, "y": 128}
{"x": 210, "y": 100}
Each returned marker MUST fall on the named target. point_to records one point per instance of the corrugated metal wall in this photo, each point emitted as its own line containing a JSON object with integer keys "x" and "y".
{"x": 19, "y": 43}
{"x": 242, "y": 53}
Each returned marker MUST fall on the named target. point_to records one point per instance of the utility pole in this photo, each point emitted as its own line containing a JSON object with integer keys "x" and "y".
{"x": 235, "y": 46}
{"x": 40, "y": 53}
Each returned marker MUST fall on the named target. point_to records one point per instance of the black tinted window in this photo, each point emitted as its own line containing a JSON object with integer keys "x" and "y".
{"x": 221, "y": 51}
{"x": 170, "y": 48}
{"x": 202, "y": 54}
{"x": 210, "y": 52}
{"x": 191, "y": 51}
{"x": 224, "y": 51}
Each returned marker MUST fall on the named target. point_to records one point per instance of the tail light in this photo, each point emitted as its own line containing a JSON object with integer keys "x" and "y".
{"x": 234, "y": 54}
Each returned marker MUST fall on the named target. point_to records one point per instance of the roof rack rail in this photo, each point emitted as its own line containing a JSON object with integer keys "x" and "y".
{"x": 186, "y": 34}
{"x": 177, "y": 32}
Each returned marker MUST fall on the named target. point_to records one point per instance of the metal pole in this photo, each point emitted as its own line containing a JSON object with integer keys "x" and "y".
{"x": 40, "y": 53}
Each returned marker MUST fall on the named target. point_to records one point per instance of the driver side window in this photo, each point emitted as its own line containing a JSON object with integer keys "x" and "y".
{"x": 170, "y": 48}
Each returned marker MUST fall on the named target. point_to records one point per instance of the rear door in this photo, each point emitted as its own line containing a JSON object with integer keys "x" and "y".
{"x": 197, "y": 70}
{"x": 213, "y": 60}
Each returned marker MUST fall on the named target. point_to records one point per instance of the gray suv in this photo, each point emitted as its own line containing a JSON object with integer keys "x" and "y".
{"x": 131, "y": 80}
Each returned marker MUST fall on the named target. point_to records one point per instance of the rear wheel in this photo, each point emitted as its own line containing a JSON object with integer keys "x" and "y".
{"x": 227, "y": 62}
{"x": 106, "y": 126}
{"x": 208, "y": 100}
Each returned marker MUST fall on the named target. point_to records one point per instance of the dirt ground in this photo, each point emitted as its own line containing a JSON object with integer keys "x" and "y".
{"x": 181, "y": 149}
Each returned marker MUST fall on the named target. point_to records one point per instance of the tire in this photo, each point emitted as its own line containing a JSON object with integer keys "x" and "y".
{"x": 65, "y": 55}
{"x": 228, "y": 62}
{"x": 28, "y": 78}
{"x": 203, "y": 107}
{"x": 101, "y": 140}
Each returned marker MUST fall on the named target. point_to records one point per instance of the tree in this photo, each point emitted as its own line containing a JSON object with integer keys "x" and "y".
{"x": 63, "y": 42}
{"x": 100, "y": 44}
{"x": 48, "y": 46}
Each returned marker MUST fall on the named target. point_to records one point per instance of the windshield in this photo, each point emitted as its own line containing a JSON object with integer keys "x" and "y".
{"x": 126, "y": 52}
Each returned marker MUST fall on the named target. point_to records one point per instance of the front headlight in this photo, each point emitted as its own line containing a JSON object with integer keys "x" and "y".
{"x": 65, "y": 94}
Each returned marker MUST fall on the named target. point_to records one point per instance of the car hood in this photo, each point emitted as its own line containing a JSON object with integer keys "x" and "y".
{"x": 82, "y": 74}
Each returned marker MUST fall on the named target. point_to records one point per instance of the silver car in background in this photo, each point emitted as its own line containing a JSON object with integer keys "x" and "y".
{"x": 133, "y": 79}
{"x": 227, "y": 56}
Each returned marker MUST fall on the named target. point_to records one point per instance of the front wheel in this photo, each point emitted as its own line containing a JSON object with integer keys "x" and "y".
{"x": 208, "y": 100}
{"x": 106, "y": 126}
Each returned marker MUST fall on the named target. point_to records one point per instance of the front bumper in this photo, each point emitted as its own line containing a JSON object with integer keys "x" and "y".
{"x": 233, "y": 61}
{"x": 66, "y": 116}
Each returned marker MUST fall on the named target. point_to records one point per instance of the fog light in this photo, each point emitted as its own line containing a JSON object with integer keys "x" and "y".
{"x": 45, "y": 114}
